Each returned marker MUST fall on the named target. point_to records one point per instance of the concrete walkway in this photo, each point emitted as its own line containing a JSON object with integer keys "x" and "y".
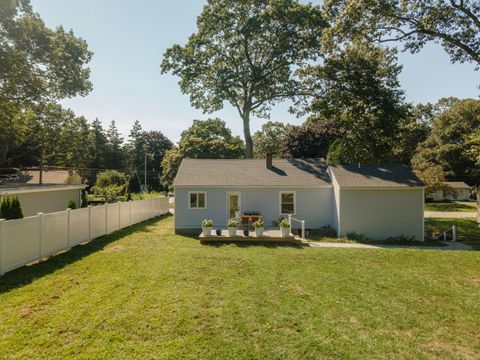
{"x": 450, "y": 246}
{"x": 450, "y": 214}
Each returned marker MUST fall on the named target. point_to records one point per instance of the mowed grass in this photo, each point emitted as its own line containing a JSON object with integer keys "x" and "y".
{"x": 461, "y": 206}
{"x": 146, "y": 293}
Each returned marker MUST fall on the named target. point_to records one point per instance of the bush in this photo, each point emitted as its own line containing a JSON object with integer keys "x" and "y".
{"x": 72, "y": 204}
{"x": 401, "y": 239}
{"x": 84, "y": 199}
{"x": 110, "y": 185}
{"x": 11, "y": 209}
{"x": 356, "y": 237}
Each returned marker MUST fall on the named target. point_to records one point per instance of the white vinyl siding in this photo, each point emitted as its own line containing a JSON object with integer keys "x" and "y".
{"x": 382, "y": 213}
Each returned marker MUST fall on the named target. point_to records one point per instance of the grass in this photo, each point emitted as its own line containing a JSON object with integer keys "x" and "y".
{"x": 468, "y": 231}
{"x": 146, "y": 293}
{"x": 451, "y": 206}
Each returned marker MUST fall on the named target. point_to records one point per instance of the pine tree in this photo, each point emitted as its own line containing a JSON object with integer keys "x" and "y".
{"x": 114, "y": 143}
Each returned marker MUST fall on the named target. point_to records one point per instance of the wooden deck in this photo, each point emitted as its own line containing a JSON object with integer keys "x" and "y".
{"x": 269, "y": 236}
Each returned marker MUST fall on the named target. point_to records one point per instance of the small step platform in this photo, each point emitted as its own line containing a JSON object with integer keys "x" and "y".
{"x": 269, "y": 236}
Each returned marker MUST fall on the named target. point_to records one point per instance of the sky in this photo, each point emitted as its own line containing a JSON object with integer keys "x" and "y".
{"x": 128, "y": 39}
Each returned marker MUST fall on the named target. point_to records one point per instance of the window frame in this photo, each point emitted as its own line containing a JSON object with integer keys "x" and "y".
{"x": 280, "y": 193}
{"x": 190, "y": 203}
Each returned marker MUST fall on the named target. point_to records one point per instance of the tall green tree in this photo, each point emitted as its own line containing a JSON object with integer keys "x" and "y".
{"x": 244, "y": 53}
{"x": 38, "y": 65}
{"x": 135, "y": 146}
{"x": 205, "y": 139}
{"x": 115, "y": 156}
{"x": 270, "y": 138}
{"x": 156, "y": 145}
{"x": 98, "y": 145}
{"x": 449, "y": 144}
{"x": 455, "y": 24}
{"x": 357, "y": 89}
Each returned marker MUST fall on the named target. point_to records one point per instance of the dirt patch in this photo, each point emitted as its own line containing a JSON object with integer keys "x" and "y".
{"x": 114, "y": 248}
{"x": 298, "y": 290}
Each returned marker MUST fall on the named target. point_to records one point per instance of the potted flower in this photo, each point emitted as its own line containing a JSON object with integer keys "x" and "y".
{"x": 259, "y": 226}
{"x": 207, "y": 225}
{"x": 232, "y": 227}
{"x": 284, "y": 227}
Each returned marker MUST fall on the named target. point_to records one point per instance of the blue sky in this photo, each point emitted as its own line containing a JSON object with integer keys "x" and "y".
{"x": 128, "y": 39}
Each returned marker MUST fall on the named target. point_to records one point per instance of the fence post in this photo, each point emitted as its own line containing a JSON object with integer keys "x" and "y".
{"x": 2, "y": 248}
{"x": 40, "y": 235}
{"x": 130, "y": 213}
{"x": 106, "y": 219}
{"x": 303, "y": 229}
{"x": 69, "y": 240}
{"x": 454, "y": 233}
{"x": 89, "y": 222}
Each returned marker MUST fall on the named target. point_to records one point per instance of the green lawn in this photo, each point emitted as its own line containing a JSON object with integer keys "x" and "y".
{"x": 451, "y": 206}
{"x": 146, "y": 293}
{"x": 468, "y": 230}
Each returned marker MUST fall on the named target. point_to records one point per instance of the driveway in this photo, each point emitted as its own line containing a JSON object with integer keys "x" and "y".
{"x": 450, "y": 214}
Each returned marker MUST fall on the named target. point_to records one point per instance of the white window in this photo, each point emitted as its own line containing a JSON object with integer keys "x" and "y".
{"x": 287, "y": 203}
{"x": 197, "y": 200}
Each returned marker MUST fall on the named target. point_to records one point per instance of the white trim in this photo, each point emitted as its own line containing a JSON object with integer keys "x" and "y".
{"x": 294, "y": 201}
{"x": 382, "y": 187}
{"x": 34, "y": 189}
{"x": 197, "y": 192}
{"x": 335, "y": 184}
{"x": 228, "y": 193}
{"x": 423, "y": 215}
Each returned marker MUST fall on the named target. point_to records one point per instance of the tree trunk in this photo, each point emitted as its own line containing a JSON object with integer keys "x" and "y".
{"x": 248, "y": 136}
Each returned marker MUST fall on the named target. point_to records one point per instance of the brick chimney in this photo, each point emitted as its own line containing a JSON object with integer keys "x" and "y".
{"x": 268, "y": 161}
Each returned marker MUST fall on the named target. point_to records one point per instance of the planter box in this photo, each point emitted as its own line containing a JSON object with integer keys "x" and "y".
{"x": 232, "y": 231}
{"x": 285, "y": 231}
{"x": 259, "y": 231}
{"x": 207, "y": 231}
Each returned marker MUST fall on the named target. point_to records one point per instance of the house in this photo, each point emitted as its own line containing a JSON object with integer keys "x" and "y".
{"x": 42, "y": 198}
{"x": 461, "y": 192}
{"x": 49, "y": 176}
{"x": 376, "y": 200}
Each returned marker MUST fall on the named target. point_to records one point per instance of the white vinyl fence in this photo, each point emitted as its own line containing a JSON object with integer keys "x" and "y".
{"x": 33, "y": 238}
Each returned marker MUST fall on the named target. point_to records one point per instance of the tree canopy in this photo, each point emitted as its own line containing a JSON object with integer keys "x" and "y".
{"x": 244, "y": 53}
{"x": 455, "y": 24}
{"x": 270, "y": 139}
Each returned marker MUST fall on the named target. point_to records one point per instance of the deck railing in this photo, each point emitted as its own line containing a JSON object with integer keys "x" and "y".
{"x": 302, "y": 222}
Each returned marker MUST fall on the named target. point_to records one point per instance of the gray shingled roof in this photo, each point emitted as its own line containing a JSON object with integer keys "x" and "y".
{"x": 457, "y": 184}
{"x": 252, "y": 172}
{"x": 393, "y": 175}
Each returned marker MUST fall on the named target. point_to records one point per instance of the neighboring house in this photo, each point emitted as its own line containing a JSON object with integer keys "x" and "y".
{"x": 42, "y": 198}
{"x": 461, "y": 190}
{"x": 376, "y": 200}
{"x": 32, "y": 176}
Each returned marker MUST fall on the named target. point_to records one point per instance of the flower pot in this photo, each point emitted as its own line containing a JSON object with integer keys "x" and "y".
{"x": 207, "y": 231}
{"x": 285, "y": 231}
{"x": 232, "y": 231}
{"x": 259, "y": 231}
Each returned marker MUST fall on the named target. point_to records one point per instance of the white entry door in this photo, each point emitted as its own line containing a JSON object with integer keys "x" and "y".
{"x": 234, "y": 204}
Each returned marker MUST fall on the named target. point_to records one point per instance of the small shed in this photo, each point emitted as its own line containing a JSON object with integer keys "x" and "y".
{"x": 461, "y": 192}
{"x": 42, "y": 198}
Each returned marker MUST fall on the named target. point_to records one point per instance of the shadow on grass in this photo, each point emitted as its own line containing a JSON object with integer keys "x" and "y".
{"x": 26, "y": 274}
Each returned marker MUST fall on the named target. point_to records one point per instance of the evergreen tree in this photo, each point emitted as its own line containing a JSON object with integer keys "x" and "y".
{"x": 115, "y": 158}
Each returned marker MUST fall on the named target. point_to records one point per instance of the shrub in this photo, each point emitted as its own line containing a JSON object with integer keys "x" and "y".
{"x": 207, "y": 223}
{"x": 72, "y": 204}
{"x": 356, "y": 237}
{"x": 232, "y": 223}
{"x": 110, "y": 185}
{"x": 259, "y": 223}
{"x": 284, "y": 223}
{"x": 84, "y": 199}
{"x": 401, "y": 239}
{"x": 11, "y": 209}
{"x": 73, "y": 179}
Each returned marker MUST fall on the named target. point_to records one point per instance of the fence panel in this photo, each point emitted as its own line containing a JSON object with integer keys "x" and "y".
{"x": 55, "y": 233}
{"x": 20, "y": 242}
{"x": 113, "y": 217}
{"x": 26, "y": 240}
{"x": 79, "y": 226}
{"x": 97, "y": 218}
{"x": 125, "y": 214}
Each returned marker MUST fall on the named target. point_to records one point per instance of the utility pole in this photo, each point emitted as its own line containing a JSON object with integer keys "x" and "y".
{"x": 145, "y": 177}
{"x": 40, "y": 178}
